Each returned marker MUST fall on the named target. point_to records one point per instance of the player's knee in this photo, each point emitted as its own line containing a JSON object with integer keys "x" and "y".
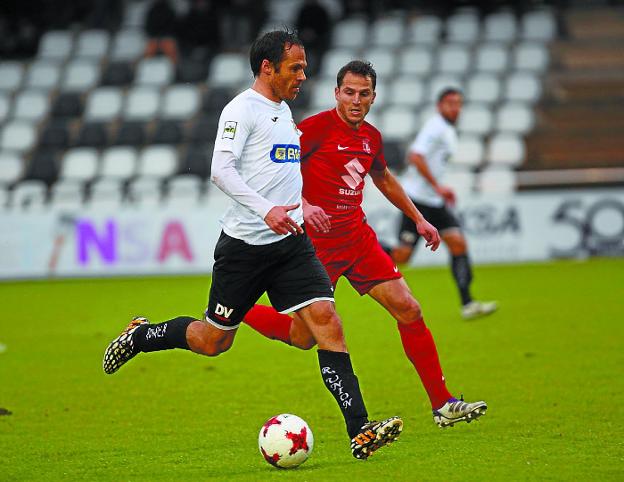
{"x": 205, "y": 340}
{"x": 407, "y": 309}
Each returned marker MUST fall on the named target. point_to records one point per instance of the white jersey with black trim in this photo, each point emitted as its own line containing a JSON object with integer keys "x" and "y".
{"x": 436, "y": 142}
{"x": 264, "y": 139}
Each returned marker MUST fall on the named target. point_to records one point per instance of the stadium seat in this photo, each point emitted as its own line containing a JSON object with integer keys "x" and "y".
{"x": 128, "y": 45}
{"x": 500, "y": 27}
{"x": 168, "y": 132}
{"x": 203, "y": 129}
{"x": 514, "y": 118}
{"x": 79, "y": 164}
{"x": 43, "y": 74}
{"x": 56, "y": 45}
{"x": 184, "y": 189}
{"x": 156, "y": 71}
{"x": 462, "y": 27}
{"x": 17, "y": 136}
{"x": 350, "y": 32}
{"x": 228, "y": 69}
{"x": 492, "y": 58}
{"x": 382, "y": 91}
{"x": 215, "y": 99}
{"x": 28, "y": 195}
{"x": 453, "y": 59}
{"x": 80, "y": 76}
{"x": 11, "y": 168}
{"x": 68, "y": 104}
{"x": 424, "y": 29}
{"x": 157, "y": 162}
{"x": 505, "y": 149}
{"x": 496, "y": 181}
{"x": 118, "y": 73}
{"x": 461, "y": 180}
{"x": 92, "y": 44}
{"x": 92, "y": 134}
{"x": 406, "y": 91}
{"x": 130, "y": 134}
{"x": 43, "y": 166}
{"x": 180, "y": 102}
{"x": 322, "y": 96}
{"x": 394, "y": 152}
{"x": 397, "y": 123}
{"x": 119, "y": 163}
{"x": 387, "y": 32}
{"x": 475, "y": 119}
{"x": 67, "y": 194}
{"x": 106, "y": 193}
{"x": 55, "y": 135}
{"x": 440, "y": 82}
{"x": 333, "y": 61}
{"x": 5, "y": 107}
{"x": 484, "y": 88}
{"x": 191, "y": 71}
{"x": 4, "y": 198}
{"x": 415, "y": 61}
{"x": 538, "y": 25}
{"x": 31, "y": 105}
{"x": 11, "y": 76}
{"x": 522, "y": 87}
{"x": 104, "y": 104}
{"x": 145, "y": 191}
{"x": 197, "y": 160}
{"x": 141, "y": 104}
{"x": 383, "y": 63}
{"x": 469, "y": 152}
{"x": 530, "y": 56}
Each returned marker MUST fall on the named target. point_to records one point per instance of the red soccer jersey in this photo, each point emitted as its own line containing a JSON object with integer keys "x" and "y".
{"x": 334, "y": 161}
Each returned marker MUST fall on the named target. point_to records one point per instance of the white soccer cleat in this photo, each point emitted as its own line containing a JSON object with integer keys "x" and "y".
{"x": 475, "y": 309}
{"x": 458, "y": 411}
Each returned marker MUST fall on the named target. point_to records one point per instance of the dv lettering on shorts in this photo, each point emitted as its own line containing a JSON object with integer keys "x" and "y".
{"x": 223, "y": 311}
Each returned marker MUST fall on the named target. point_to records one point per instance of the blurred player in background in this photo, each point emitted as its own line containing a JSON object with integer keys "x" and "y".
{"x": 338, "y": 149}
{"x": 262, "y": 247}
{"x": 435, "y": 144}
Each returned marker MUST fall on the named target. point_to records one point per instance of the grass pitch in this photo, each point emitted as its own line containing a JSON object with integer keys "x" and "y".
{"x": 549, "y": 364}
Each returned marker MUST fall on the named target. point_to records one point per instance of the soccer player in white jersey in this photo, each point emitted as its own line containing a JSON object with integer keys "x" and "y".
{"x": 435, "y": 144}
{"x": 262, "y": 247}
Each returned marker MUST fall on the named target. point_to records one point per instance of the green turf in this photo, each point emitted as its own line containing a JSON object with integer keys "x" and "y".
{"x": 549, "y": 364}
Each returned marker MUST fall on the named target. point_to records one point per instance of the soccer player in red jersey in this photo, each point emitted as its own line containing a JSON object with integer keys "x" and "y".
{"x": 338, "y": 149}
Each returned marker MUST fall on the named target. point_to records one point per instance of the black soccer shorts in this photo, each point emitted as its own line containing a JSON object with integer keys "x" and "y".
{"x": 287, "y": 270}
{"x": 441, "y": 217}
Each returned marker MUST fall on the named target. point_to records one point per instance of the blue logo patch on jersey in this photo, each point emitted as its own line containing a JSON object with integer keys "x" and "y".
{"x": 285, "y": 153}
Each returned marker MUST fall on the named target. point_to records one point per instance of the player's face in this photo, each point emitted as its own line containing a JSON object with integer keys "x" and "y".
{"x": 354, "y": 98}
{"x": 450, "y": 107}
{"x": 290, "y": 74}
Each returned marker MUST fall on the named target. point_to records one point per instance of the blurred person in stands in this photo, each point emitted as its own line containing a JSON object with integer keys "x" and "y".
{"x": 428, "y": 155}
{"x": 200, "y": 30}
{"x": 160, "y": 26}
{"x": 314, "y": 26}
{"x": 338, "y": 149}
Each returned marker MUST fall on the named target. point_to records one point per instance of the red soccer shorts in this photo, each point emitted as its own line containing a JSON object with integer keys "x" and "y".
{"x": 362, "y": 260}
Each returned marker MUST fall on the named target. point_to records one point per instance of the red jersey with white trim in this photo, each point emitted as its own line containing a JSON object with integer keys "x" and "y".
{"x": 334, "y": 161}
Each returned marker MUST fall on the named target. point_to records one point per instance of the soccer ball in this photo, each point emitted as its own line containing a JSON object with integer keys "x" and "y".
{"x": 285, "y": 441}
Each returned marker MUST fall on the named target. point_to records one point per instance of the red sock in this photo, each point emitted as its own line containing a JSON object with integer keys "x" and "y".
{"x": 421, "y": 351}
{"x": 269, "y": 322}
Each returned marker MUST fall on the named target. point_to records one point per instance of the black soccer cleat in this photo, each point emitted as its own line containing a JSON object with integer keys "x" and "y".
{"x": 374, "y": 435}
{"x": 121, "y": 349}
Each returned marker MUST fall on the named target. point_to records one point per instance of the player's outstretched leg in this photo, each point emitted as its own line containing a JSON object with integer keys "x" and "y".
{"x": 455, "y": 411}
{"x": 374, "y": 435}
{"x": 122, "y": 349}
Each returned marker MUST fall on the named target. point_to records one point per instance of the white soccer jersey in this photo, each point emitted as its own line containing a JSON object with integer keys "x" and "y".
{"x": 264, "y": 139}
{"x": 436, "y": 142}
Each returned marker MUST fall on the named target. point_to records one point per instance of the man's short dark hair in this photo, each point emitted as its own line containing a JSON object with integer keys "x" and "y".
{"x": 357, "y": 67}
{"x": 448, "y": 91}
{"x": 271, "y": 46}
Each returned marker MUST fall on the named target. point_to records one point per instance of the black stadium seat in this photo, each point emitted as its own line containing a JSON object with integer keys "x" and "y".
{"x": 197, "y": 160}
{"x": 118, "y": 74}
{"x": 68, "y": 104}
{"x": 394, "y": 152}
{"x": 191, "y": 71}
{"x": 55, "y": 135}
{"x": 215, "y": 99}
{"x": 92, "y": 134}
{"x": 130, "y": 134}
{"x": 43, "y": 165}
{"x": 204, "y": 129}
{"x": 168, "y": 132}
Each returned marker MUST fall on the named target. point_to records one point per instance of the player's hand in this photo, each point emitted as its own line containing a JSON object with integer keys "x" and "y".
{"x": 315, "y": 216}
{"x": 280, "y": 222}
{"x": 429, "y": 233}
{"x": 448, "y": 194}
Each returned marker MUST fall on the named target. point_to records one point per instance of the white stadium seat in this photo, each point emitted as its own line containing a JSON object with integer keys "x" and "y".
{"x": 79, "y": 164}
{"x": 80, "y": 76}
{"x": 415, "y": 60}
{"x": 56, "y": 45}
{"x": 28, "y": 195}
{"x": 43, "y": 74}
{"x": 440, "y": 82}
{"x": 5, "y": 107}
{"x": 491, "y": 57}
{"x": 383, "y": 63}
{"x": 11, "y": 168}
{"x": 407, "y": 91}
{"x": 505, "y": 149}
{"x": 538, "y": 25}
{"x": 496, "y": 181}
{"x": 157, "y": 161}
{"x": 141, "y": 103}
{"x": 106, "y": 193}
{"x": 322, "y": 96}
{"x": 145, "y": 191}
{"x": 462, "y": 27}
{"x": 17, "y": 136}
{"x": 11, "y": 76}
{"x": 92, "y": 44}
{"x": 424, "y": 29}
{"x": 31, "y": 105}
{"x": 128, "y": 45}
{"x": 470, "y": 151}
{"x": 475, "y": 119}
{"x": 530, "y": 56}
{"x": 398, "y": 123}
{"x": 453, "y": 59}
{"x": 156, "y": 71}
{"x": 180, "y": 102}
{"x": 228, "y": 69}
{"x": 351, "y": 32}
{"x": 387, "y": 31}
{"x": 500, "y": 27}
{"x": 483, "y": 87}
{"x": 67, "y": 194}
{"x": 522, "y": 87}
{"x": 119, "y": 162}
{"x": 104, "y": 104}
{"x": 514, "y": 118}
{"x": 461, "y": 180}
{"x": 333, "y": 60}
{"x": 184, "y": 189}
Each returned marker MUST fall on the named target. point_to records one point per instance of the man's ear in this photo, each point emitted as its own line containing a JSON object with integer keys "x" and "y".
{"x": 267, "y": 67}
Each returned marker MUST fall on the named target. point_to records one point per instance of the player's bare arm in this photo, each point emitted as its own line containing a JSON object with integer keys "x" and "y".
{"x": 390, "y": 187}
{"x": 316, "y": 217}
{"x": 423, "y": 168}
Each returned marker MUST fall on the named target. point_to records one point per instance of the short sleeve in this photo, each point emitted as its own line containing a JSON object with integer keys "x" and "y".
{"x": 235, "y": 125}
{"x": 379, "y": 161}
{"x": 426, "y": 140}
